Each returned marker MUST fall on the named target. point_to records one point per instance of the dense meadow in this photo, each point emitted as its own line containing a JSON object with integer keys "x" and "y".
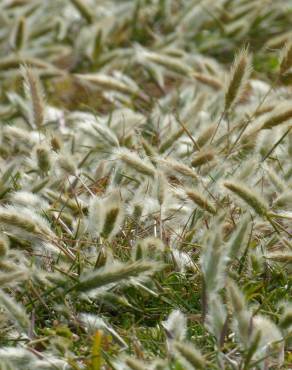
{"x": 145, "y": 184}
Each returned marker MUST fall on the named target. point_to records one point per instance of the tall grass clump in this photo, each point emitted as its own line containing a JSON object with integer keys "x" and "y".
{"x": 145, "y": 199}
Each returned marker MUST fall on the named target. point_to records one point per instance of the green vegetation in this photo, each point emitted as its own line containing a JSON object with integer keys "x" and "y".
{"x": 145, "y": 184}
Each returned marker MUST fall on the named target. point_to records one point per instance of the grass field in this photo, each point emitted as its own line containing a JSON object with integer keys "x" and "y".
{"x": 145, "y": 184}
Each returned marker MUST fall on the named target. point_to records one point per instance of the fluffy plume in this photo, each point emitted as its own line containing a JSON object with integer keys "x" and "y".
{"x": 19, "y": 34}
{"x": 83, "y": 9}
{"x": 161, "y": 185}
{"x": 135, "y": 364}
{"x": 202, "y": 158}
{"x": 4, "y": 245}
{"x": 105, "y": 215}
{"x": 151, "y": 248}
{"x": 210, "y": 81}
{"x": 216, "y": 317}
{"x": 281, "y": 114}
{"x": 43, "y": 159}
{"x": 35, "y": 95}
{"x": 133, "y": 161}
{"x": 286, "y": 58}
{"x": 67, "y": 165}
{"x": 176, "y": 326}
{"x": 190, "y": 356}
{"x": 250, "y": 197}
{"x": 171, "y": 140}
{"x": 118, "y": 273}
{"x": 239, "y": 76}
{"x": 92, "y": 323}
{"x": 242, "y": 316}
{"x": 176, "y": 166}
{"x": 17, "y": 220}
{"x": 238, "y": 238}
{"x": 213, "y": 263}
{"x": 118, "y": 206}
{"x": 286, "y": 318}
{"x": 271, "y": 343}
{"x": 15, "y": 311}
{"x": 201, "y": 201}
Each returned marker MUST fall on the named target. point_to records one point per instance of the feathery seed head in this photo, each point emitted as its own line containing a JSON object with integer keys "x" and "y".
{"x": 237, "y": 240}
{"x": 201, "y": 201}
{"x": 286, "y": 58}
{"x": 206, "y": 134}
{"x": 43, "y": 159}
{"x": 15, "y": 311}
{"x": 271, "y": 345}
{"x": 19, "y": 34}
{"x": 95, "y": 216}
{"x": 35, "y": 94}
{"x": 239, "y": 76}
{"x": 110, "y": 221}
{"x": 56, "y": 143}
{"x": 105, "y": 215}
{"x": 28, "y": 199}
{"x": 134, "y": 364}
{"x": 280, "y": 115}
{"x": 20, "y": 220}
{"x": 84, "y": 10}
{"x": 4, "y": 245}
{"x": 213, "y": 263}
{"x": 202, "y": 158}
{"x": 250, "y": 197}
{"x": 208, "y": 80}
{"x": 286, "y": 318}
{"x": 149, "y": 248}
{"x": 173, "y": 165}
{"x": 161, "y": 187}
{"x": 116, "y": 274}
{"x": 242, "y": 316}
{"x": 176, "y": 326}
{"x": 133, "y": 161}
{"x": 189, "y": 356}
{"x": 67, "y": 165}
